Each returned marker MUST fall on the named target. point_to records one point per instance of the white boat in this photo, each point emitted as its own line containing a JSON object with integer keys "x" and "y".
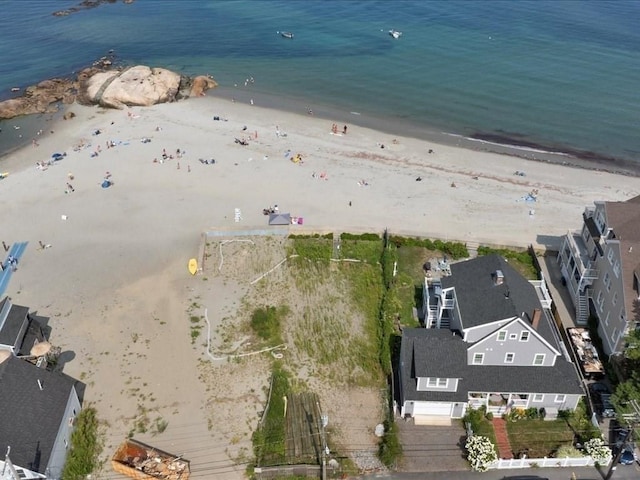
{"x": 395, "y": 34}
{"x": 286, "y": 34}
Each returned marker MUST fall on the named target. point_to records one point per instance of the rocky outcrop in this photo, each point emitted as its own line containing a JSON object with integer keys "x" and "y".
{"x": 201, "y": 84}
{"x": 139, "y": 86}
{"x": 108, "y": 87}
{"x": 40, "y": 98}
{"x": 84, "y": 5}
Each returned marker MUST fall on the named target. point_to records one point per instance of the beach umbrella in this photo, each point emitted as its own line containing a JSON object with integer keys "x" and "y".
{"x": 106, "y": 184}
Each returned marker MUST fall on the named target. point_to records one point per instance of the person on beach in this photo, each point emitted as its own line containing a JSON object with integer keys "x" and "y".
{"x": 344, "y": 130}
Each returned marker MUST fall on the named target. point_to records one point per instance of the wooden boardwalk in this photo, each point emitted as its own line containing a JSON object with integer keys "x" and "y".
{"x": 303, "y": 429}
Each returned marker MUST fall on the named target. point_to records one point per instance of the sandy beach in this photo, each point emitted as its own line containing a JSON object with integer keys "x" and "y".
{"x": 113, "y": 277}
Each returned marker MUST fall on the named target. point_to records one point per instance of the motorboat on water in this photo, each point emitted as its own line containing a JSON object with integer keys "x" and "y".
{"x": 286, "y": 34}
{"x": 395, "y": 34}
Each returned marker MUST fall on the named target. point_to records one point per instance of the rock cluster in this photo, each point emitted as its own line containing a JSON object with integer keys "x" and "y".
{"x": 109, "y": 87}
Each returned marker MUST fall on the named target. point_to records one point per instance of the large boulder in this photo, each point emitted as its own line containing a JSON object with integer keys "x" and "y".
{"x": 139, "y": 85}
{"x": 201, "y": 84}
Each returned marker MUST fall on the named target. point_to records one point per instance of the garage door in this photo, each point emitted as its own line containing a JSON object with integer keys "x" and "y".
{"x": 432, "y": 408}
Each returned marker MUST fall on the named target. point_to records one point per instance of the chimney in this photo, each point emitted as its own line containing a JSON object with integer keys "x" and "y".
{"x": 499, "y": 277}
{"x": 535, "y": 318}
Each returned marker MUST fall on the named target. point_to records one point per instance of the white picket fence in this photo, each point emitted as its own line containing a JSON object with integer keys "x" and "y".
{"x": 545, "y": 463}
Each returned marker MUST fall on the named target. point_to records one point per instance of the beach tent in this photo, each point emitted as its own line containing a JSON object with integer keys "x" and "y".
{"x": 279, "y": 219}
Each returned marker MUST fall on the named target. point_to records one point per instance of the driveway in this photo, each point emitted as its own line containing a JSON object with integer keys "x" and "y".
{"x": 431, "y": 448}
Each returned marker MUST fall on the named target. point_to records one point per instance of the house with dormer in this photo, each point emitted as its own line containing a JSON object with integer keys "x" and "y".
{"x": 600, "y": 266}
{"x": 38, "y": 406}
{"x": 488, "y": 340}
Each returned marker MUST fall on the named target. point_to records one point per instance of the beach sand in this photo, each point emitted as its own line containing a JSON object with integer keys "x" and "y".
{"x": 114, "y": 280}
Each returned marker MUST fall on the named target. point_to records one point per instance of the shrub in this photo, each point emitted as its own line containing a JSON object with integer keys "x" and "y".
{"x": 266, "y": 322}
{"x": 480, "y": 453}
{"x": 568, "y": 451}
{"x": 85, "y": 448}
{"x": 390, "y": 448}
{"x": 597, "y": 450}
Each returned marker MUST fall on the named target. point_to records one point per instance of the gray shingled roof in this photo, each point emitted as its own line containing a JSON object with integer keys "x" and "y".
{"x": 15, "y": 323}
{"x": 437, "y": 353}
{"x": 481, "y": 301}
{"x": 31, "y": 417}
{"x": 624, "y": 218}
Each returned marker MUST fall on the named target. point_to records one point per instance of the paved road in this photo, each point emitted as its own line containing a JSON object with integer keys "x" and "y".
{"x": 629, "y": 472}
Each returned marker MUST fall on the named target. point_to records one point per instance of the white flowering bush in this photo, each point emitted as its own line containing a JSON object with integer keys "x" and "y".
{"x": 480, "y": 452}
{"x": 597, "y": 450}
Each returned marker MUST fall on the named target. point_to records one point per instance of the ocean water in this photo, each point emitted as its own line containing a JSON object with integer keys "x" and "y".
{"x": 544, "y": 74}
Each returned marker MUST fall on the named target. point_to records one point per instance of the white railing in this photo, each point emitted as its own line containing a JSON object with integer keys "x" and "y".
{"x": 545, "y": 463}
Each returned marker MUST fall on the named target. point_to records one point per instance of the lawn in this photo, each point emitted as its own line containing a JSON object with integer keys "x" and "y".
{"x": 538, "y": 438}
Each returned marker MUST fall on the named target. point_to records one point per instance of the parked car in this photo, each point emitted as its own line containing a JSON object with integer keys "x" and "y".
{"x": 607, "y": 410}
{"x": 628, "y": 456}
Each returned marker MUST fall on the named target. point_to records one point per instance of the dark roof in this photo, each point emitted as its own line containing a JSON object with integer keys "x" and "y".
{"x": 15, "y": 324}
{"x": 36, "y": 333}
{"x": 624, "y": 218}
{"x": 31, "y": 417}
{"x": 432, "y": 352}
{"x": 481, "y": 301}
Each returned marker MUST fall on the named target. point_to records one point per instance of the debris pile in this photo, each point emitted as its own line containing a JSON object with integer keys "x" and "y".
{"x": 140, "y": 461}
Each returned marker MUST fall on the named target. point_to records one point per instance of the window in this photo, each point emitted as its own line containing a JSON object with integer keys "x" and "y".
{"x": 478, "y": 358}
{"x": 434, "y": 382}
{"x": 539, "y": 359}
{"x": 614, "y": 335}
{"x": 614, "y": 300}
{"x": 538, "y": 397}
{"x": 606, "y": 320}
{"x": 610, "y": 255}
{"x": 607, "y": 281}
{"x": 513, "y": 336}
{"x": 616, "y": 269}
{"x": 600, "y": 300}
{"x": 502, "y": 335}
{"x": 524, "y": 336}
{"x": 509, "y": 357}
{"x": 560, "y": 398}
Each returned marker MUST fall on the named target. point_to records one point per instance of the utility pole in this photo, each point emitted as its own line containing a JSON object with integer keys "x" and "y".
{"x": 632, "y": 420}
{"x": 324, "y": 421}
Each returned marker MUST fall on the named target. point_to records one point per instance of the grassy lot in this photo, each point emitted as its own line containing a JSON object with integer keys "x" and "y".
{"x": 538, "y": 438}
{"x": 410, "y": 280}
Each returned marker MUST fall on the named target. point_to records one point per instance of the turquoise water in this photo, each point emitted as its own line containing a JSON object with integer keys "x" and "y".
{"x": 557, "y": 75}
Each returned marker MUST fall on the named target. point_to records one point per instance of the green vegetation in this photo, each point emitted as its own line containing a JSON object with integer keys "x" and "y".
{"x": 455, "y": 250}
{"x": 538, "y": 438}
{"x": 629, "y": 372}
{"x": 269, "y": 438}
{"x": 267, "y": 323}
{"x": 390, "y": 449}
{"x": 85, "y": 448}
{"x": 365, "y": 250}
{"x": 313, "y": 248}
{"x": 520, "y": 260}
{"x": 480, "y": 423}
